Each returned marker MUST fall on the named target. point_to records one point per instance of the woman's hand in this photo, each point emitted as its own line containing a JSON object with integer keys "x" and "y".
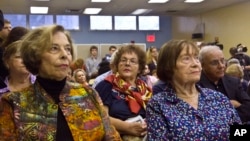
{"x": 235, "y": 103}
{"x": 137, "y": 128}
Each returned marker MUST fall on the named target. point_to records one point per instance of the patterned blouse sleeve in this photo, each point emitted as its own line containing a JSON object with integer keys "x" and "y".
{"x": 110, "y": 132}
{"x": 7, "y": 125}
{"x": 157, "y": 128}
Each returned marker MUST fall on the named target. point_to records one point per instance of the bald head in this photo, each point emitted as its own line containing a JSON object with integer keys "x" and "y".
{"x": 207, "y": 50}
{"x": 212, "y": 62}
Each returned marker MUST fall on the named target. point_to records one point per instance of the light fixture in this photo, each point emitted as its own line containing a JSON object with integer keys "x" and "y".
{"x": 193, "y": 1}
{"x": 39, "y": 10}
{"x": 141, "y": 11}
{"x": 100, "y": 0}
{"x": 92, "y": 11}
{"x": 157, "y": 1}
{"x": 41, "y": 0}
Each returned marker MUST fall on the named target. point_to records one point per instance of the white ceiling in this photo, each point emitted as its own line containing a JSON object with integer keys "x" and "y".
{"x": 115, "y": 7}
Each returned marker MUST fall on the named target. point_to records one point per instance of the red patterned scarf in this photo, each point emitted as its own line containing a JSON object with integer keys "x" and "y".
{"x": 136, "y": 99}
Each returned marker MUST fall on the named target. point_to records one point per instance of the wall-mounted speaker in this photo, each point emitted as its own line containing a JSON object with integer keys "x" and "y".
{"x": 197, "y": 36}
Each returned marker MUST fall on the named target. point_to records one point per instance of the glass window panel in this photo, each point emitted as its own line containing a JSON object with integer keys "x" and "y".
{"x": 16, "y": 19}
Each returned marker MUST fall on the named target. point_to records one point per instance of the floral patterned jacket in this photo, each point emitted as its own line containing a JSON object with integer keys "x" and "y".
{"x": 32, "y": 115}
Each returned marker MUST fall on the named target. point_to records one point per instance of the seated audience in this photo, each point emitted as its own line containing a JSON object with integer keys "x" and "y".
{"x": 78, "y": 64}
{"x": 1, "y": 20}
{"x": 232, "y": 61}
{"x": 101, "y": 77}
{"x": 183, "y": 111}
{"x": 4, "y": 32}
{"x": 244, "y": 59}
{"x": 235, "y": 70}
{"x": 159, "y": 86}
{"x": 69, "y": 76}
{"x": 79, "y": 75}
{"x": 124, "y": 94}
{"x": 152, "y": 55}
{"x": 19, "y": 77}
{"x": 146, "y": 77}
{"x": 104, "y": 65}
{"x": 154, "y": 73}
{"x": 107, "y": 57}
{"x": 51, "y": 108}
{"x": 15, "y": 34}
{"x": 213, "y": 77}
{"x": 2, "y": 85}
{"x": 92, "y": 62}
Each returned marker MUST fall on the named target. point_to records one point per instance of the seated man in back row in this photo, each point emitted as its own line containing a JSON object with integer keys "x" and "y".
{"x": 213, "y": 77}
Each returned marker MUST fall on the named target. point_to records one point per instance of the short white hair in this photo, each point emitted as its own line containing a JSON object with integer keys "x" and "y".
{"x": 207, "y": 49}
{"x": 233, "y": 61}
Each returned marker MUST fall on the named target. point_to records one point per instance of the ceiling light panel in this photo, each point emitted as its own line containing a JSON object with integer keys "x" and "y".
{"x": 158, "y": 1}
{"x": 41, "y": 0}
{"x": 100, "y": 0}
{"x": 92, "y": 10}
{"x": 39, "y": 10}
{"x": 193, "y": 1}
{"x": 141, "y": 11}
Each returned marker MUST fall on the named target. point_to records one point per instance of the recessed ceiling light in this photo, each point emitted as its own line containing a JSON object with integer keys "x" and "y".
{"x": 41, "y": 0}
{"x": 193, "y": 1}
{"x": 100, "y": 0}
{"x": 141, "y": 11}
{"x": 92, "y": 11}
{"x": 39, "y": 10}
{"x": 157, "y": 1}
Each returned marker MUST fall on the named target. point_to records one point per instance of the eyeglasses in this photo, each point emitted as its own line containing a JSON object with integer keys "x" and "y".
{"x": 131, "y": 61}
{"x": 218, "y": 62}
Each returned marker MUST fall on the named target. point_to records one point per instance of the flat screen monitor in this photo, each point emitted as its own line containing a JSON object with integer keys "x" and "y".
{"x": 69, "y": 22}
{"x": 40, "y": 20}
{"x": 125, "y": 22}
{"x": 100, "y": 22}
{"x": 149, "y": 22}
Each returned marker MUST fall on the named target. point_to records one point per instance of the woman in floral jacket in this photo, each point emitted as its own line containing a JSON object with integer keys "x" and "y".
{"x": 52, "y": 109}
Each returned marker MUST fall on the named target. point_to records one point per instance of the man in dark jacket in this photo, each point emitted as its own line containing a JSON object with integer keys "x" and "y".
{"x": 213, "y": 77}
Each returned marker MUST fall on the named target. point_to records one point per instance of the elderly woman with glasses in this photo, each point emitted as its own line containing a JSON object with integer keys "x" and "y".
{"x": 182, "y": 110}
{"x": 124, "y": 94}
{"x": 52, "y": 108}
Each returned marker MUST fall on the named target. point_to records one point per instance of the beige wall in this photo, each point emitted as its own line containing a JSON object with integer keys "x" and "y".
{"x": 231, "y": 24}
